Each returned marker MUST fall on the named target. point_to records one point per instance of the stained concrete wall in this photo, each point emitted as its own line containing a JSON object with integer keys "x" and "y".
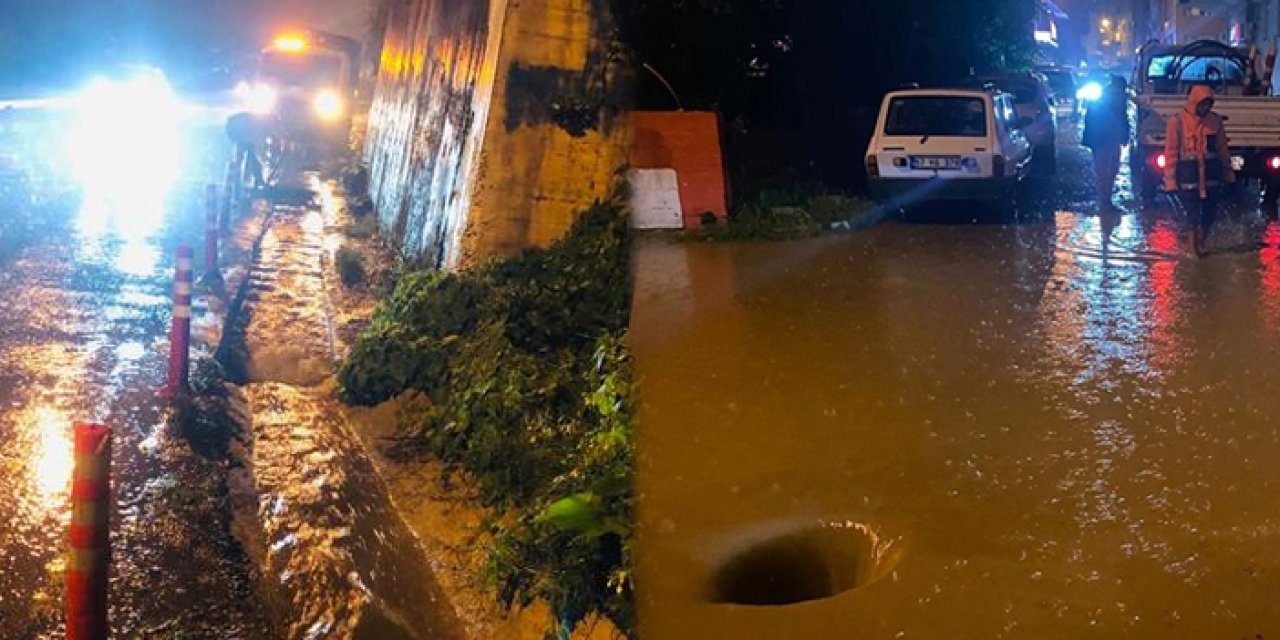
{"x": 493, "y": 123}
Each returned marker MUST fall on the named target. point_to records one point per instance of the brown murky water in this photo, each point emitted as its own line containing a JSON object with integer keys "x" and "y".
{"x": 1054, "y": 430}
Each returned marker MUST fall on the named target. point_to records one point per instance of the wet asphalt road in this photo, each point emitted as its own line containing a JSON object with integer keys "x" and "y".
{"x": 88, "y": 228}
{"x": 1055, "y": 427}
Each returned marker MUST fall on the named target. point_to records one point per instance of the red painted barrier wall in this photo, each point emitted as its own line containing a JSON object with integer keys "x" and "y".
{"x": 689, "y": 142}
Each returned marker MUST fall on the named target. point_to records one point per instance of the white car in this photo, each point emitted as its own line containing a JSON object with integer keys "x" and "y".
{"x": 947, "y": 145}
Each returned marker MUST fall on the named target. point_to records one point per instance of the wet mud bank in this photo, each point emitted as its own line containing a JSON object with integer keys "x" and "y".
{"x": 444, "y": 511}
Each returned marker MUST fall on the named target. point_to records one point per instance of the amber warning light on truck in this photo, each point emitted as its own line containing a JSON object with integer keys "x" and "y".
{"x": 290, "y": 44}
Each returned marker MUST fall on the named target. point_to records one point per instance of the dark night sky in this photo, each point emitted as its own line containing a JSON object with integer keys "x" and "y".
{"x": 53, "y": 43}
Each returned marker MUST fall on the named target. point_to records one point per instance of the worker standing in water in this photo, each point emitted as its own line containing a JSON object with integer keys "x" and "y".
{"x": 247, "y": 131}
{"x": 1106, "y": 131}
{"x": 1198, "y": 163}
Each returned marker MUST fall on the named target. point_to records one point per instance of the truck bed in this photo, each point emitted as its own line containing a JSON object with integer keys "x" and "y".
{"x": 1252, "y": 121}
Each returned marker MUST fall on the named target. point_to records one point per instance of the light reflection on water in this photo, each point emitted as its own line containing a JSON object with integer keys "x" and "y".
{"x": 1113, "y": 297}
{"x": 38, "y": 450}
{"x": 1269, "y": 259}
{"x": 138, "y": 257}
{"x": 53, "y": 456}
{"x": 329, "y": 209}
{"x": 130, "y": 352}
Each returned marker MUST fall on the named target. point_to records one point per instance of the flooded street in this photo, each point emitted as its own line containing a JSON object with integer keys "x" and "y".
{"x": 86, "y": 278}
{"x": 1062, "y": 428}
{"x": 86, "y": 261}
{"x": 331, "y": 545}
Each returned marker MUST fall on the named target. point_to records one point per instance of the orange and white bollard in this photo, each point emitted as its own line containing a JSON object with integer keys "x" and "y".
{"x": 89, "y": 561}
{"x": 211, "y": 230}
{"x": 180, "y": 331}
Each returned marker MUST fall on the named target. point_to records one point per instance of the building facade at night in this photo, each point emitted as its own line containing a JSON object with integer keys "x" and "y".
{"x": 1115, "y": 29}
{"x": 1237, "y": 21}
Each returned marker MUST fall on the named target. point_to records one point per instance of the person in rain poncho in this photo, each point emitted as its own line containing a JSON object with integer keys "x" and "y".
{"x": 1197, "y": 163}
{"x": 1106, "y": 130}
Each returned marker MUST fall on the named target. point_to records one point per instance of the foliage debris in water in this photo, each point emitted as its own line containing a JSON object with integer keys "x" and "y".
{"x": 526, "y": 376}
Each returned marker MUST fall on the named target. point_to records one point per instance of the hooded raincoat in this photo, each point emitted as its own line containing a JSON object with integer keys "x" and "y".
{"x": 1196, "y": 150}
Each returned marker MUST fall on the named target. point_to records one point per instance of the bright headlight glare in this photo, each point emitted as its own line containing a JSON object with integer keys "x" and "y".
{"x": 259, "y": 99}
{"x": 125, "y": 146}
{"x": 1091, "y": 92}
{"x": 328, "y": 105}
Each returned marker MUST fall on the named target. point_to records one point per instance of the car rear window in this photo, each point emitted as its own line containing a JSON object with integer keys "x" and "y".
{"x": 956, "y": 116}
{"x": 1024, "y": 91}
{"x": 1062, "y": 83}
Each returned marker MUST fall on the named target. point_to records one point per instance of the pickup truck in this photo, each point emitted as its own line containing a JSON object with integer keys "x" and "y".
{"x": 1163, "y": 76}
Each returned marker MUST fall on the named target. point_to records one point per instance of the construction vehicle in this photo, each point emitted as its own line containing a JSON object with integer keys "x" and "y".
{"x": 300, "y": 96}
{"x": 1163, "y": 76}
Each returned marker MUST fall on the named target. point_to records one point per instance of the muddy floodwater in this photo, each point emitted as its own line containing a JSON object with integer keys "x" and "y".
{"x": 1059, "y": 429}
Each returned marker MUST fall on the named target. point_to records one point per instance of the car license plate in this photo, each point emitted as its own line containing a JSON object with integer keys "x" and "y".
{"x": 935, "y": 162}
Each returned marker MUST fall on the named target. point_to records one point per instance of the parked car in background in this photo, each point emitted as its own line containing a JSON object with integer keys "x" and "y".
{"x": 947, "y": 145}
{"x": 1062, "y": 83}
{"x": 1035, "y": 116}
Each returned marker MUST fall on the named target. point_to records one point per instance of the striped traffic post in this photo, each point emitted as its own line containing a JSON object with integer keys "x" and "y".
{"x": 89, "y": 560}
{"x": 180, "y": 331}
{"x": 210, "y": 230}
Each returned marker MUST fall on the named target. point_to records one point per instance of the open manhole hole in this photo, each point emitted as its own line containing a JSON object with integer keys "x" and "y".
{"x": 806, "y": 565}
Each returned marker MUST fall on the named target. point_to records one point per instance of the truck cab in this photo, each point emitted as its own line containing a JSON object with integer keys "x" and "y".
{"x": 1165, "y": 74}
{"x": 306, "y": 84}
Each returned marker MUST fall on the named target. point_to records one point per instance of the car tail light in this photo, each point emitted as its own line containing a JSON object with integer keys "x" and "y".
{"x": 997, "y": 165}
{"x": 969, "y": 163}
{"x": 1160, "y": 161}
{"x": 873, "y": 166}
{"x": 900, "y": 163}
{"x": 1274, "y": 163}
